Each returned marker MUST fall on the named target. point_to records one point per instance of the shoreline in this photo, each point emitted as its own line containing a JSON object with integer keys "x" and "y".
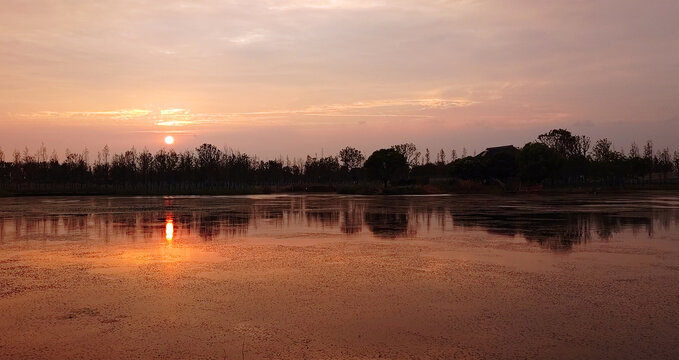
{"x": 348, "y": 190}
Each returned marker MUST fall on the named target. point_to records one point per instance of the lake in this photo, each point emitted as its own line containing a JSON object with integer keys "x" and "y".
{"x": 330, "y": 276}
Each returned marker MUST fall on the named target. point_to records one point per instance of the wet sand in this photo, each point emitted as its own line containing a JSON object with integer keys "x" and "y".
{"x": 442, "y": 298}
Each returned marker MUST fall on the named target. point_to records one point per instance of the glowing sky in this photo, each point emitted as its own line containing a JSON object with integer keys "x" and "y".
{"x": 296, "y": 77}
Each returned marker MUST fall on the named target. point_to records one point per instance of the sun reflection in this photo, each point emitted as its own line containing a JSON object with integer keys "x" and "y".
{"x": 169, "y": 230}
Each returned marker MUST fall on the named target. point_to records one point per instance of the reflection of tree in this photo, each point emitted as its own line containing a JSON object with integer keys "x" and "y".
{"x": 324, "y": 217}
{"x": 54, "y": 225}
{"x": 387, "y": 224}
{"x": 127, "y": 222}
{"x": 352, "y": 221}
{"x": 151, "y": 222}
{"x": 321, "y": 211}
{"x": 183, "y": 221}
{"x": 551, "y": 229}
{"x": 208, "y": 226}
{"x": 552, "y": 222}
{"x": 352, "y": 216}
{"x": 268, "y": 211}
{"x": 235, "y": 223}
{"x": 227, "y": 223}
{"x": 607, "y": 225}
{"x": 76, "y": 222}
{"x": 559, "y": 232}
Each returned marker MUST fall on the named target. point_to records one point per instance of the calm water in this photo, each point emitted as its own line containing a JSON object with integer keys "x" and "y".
{"x": 328, "y": 276}
{"x": 557, "y": 223}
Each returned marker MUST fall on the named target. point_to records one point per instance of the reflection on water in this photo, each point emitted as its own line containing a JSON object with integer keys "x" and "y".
{"x": 556, "y": 223}
{"x": 169, "y": 230}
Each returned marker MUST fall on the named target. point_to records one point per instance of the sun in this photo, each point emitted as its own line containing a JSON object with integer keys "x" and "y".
{"x": 169, "y": 139}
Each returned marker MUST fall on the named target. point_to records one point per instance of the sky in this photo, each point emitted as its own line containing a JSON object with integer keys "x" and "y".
{"x": 291, "y": 77}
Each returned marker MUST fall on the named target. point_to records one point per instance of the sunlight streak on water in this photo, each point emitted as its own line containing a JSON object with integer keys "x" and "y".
{"x": 169, "y": 230}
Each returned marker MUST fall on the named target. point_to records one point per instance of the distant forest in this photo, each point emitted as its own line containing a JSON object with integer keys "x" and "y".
{"x": 557, "y": 158}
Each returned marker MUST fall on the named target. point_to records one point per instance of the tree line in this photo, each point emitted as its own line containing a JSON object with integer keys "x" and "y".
{"x": 555, "y": 158}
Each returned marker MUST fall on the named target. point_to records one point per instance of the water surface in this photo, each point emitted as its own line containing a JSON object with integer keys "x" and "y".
{"x": 558, "y": 223}
{"x": 336, "y": 277}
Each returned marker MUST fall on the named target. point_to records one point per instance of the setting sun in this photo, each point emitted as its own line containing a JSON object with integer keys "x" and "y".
{"x": 169, "y": 140}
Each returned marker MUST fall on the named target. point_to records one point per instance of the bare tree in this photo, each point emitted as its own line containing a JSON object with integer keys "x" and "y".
{"x": 409, "y": 151}
{"x": 648, "y": 150}
{"x": 603, "y": 150}
{"x": 16, "y": 156}
{"x": 105, "y": 153}
{"x": 86, "y": 155}
{"x": 664, "y": 162}
{"x": 41, "y": 154}
{"x": 648, "y": 159}
{"x": 583, "y": 144}
{"x": 27, "y": 158}
{"x": 634, "y": 151}
{"x": 144, "y": 163}
{"x": 351, "y": 158}
{"x": 54, "y": 158}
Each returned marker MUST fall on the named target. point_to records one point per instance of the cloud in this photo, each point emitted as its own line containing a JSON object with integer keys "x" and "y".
{"x": 326, "y": 5}
{"x": 173, "y": 112}
{"x": 124, "y": 114}
{"x": 184, "y": 117}
{"x": 321, "y": 62}
{"x": 246, "y": 38}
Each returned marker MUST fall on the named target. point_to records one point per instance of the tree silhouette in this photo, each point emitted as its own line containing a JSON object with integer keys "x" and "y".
{"x": 321, "y": 170}
{"x": 648, "y": 159}
{"x": 208, "y": 160}
{"x": 537, "y": 162}
{"x": 442, "y": 157}
{"x": 351, "y": 158}
{"x": 144, "y": 163}
{"x": 409, "y": 151}
{"x": 208, "y": 156}
{"x": 634, "y": 151}
{"x": 470, "y": 168}
{"x": 664, "y": 163}
{"x": 603, "y": 150}
{"x": 387, "y": 165}
{"x": 565, "y": 143}
{"x": 557, "y": 158}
